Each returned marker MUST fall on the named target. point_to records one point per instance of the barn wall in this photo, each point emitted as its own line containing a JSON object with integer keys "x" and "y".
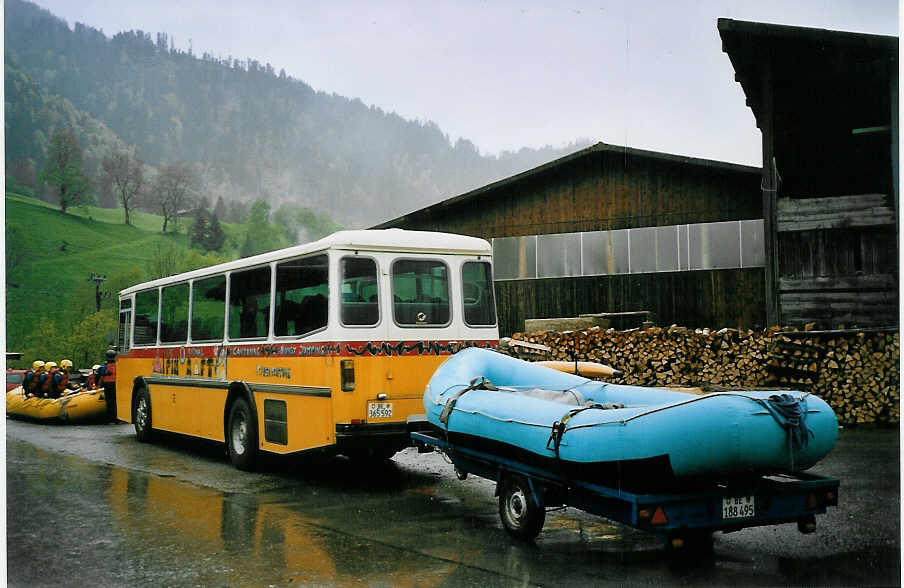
{"x": 601, "y": 191}
{"x": 717, "y": 298}
{"x": 608, "y": 189}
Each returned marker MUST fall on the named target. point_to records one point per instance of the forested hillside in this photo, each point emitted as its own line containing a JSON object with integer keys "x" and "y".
{"x": 249, "y": 131}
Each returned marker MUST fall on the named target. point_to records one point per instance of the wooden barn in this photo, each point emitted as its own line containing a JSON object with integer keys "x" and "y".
{"x": 615, "y": 229}
{"x": 827, "y": 105}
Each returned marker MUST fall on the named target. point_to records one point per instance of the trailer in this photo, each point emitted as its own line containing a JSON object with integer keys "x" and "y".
{"x": 686, "y": 517}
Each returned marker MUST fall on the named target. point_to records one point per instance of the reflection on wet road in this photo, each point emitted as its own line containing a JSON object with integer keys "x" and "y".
{"x": 92, "y": 505}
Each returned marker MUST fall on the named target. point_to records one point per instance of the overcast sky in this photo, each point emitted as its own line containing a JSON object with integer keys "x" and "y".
{"x": 647, "y": 74}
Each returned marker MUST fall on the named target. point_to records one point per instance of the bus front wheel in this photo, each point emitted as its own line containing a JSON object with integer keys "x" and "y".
{"x": 141, "y": 416}
{"x": 241, "y": 435}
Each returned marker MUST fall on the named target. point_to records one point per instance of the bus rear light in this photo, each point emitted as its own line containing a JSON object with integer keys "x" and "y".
{"x": 643, "y": 514}
{"x": 831, "y": 499}
{"x": 347, "y": 369}
{"x": 357, "y": 421}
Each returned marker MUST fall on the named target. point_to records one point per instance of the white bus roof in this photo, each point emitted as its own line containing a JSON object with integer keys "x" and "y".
{"x": 392, "y": 240}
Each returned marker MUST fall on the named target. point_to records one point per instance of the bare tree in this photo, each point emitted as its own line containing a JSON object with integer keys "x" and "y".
{"x": 174, "y": 190}
{"x": 65, "y": 169}
{"x": 125, "y": 171}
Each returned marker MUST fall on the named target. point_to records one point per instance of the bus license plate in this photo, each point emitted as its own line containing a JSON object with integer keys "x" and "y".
{"x": 379, "y": 410}
{"x": 738, "y": 507}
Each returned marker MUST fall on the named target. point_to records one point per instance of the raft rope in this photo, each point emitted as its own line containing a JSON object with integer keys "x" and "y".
{"x": 791, "y": 414}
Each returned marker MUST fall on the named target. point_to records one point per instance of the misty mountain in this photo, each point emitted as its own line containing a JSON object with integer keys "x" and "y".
{"x": 250, "y": 131}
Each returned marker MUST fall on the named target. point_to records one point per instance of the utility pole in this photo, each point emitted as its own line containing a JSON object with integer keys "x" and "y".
{"x": 98, "y": 295}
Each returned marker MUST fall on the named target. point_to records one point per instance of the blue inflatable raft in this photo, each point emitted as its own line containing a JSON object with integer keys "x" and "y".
{"x": 623, "y": 435}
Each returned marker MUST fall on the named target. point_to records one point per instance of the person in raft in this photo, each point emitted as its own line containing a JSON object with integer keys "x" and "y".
{"x": 31, "y": 382}
{"x": 93, "y": 379}
{"x": 61, "y": 380}
{"x": 50, "y": 370}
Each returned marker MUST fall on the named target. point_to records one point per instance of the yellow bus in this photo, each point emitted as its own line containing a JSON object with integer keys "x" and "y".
{"x": 327, "y": 345}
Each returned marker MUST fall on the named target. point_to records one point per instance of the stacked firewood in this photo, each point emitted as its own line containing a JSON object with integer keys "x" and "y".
{"x": 856, "y": 373}
{"x": 860, "y": 377}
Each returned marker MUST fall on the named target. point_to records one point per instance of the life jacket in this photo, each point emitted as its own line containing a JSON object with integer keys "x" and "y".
{"x": 110, "y": 373}
{"x": 91, "y": 385}
{"x": 38, "y": 387}
{"x": 61, "y": 382}
{"x": 28, "y": 381}
{"x": 47, "y": 383}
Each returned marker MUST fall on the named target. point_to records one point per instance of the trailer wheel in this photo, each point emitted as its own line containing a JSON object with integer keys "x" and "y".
{"x": 690, "y": 542}
{"x": 520, "y": 512}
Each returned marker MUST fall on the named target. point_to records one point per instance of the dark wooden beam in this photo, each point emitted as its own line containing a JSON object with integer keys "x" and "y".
{"x": 770, "y": 188}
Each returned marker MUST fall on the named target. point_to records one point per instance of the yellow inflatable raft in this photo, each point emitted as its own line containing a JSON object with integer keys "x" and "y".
{"x": 76, "y": 406}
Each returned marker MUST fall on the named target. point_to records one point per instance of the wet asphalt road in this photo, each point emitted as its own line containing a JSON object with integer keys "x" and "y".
{"x": 88, "y": 505}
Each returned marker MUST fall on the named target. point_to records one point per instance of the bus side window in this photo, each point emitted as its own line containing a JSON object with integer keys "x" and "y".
{"x": 302, "y": 296}
{"x": 207, "y": 309}
{"x": 123, "y": 343}
{"x": 174, "y": 314}
{"x": 359, "y": 292}
{"x": 249, "y": 303}
{"x": 146, "y": 308}
{"x": 477, "y": 294}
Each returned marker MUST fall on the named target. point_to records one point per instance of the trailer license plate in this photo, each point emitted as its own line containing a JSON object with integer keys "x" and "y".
{"x": 738, "y": 507}
{"x": 379, "y": 410}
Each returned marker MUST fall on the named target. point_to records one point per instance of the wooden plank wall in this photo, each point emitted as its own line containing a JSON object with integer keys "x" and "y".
{"x": 717, "y": 298}
{"x": 838, "y": 261}
{"x": 601, "y": 191}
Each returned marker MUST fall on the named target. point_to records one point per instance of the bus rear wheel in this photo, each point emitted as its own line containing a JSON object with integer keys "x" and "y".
{"x": 241, "y": 435}
{"x": 141, "y": 416}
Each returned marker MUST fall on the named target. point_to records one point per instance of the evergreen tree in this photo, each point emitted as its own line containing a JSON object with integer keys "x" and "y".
{"x": 216, "y": 236}
{"x": 219, "y": 210}
{"x": 206, "y": 232}
{"x": 260, "y": 234}
{"x": 199, "y": 229}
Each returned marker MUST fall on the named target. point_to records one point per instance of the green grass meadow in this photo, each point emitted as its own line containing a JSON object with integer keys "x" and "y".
{"x": 61, "y": 251}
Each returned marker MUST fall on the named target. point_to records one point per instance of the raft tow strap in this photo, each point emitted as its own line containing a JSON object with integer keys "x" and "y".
{"x": 559, "y": 427}
{"x": 478, "y": 383}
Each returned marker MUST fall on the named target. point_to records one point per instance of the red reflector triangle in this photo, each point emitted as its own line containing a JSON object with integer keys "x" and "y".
{"x": 659, "y": 517}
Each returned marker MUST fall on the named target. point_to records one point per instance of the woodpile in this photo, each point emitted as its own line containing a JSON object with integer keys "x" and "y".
{"x": 860, "y": 377}
{"x": 857, "y": 373}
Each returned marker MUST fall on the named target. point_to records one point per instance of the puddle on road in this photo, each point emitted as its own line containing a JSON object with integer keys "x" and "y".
{"x": 273, "y": 541}
{"x": 338, "y": 526}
